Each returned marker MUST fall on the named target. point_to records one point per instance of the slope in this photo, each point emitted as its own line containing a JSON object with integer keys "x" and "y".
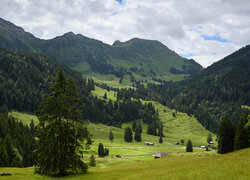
{"x": 25, "y": 77}
{"x": 216, "y": 91}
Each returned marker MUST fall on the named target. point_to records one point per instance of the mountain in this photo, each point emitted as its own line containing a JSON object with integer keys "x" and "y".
{"x": 137, "y": 57}
{"x": 216, "y": 91}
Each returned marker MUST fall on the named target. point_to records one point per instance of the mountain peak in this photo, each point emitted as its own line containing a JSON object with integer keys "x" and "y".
{"x": 14, "y": 31}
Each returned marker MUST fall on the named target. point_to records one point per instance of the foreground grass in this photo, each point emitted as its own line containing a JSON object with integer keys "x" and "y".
{"x": 229, "y": 166}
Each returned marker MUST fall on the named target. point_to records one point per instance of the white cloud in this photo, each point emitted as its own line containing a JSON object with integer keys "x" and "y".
{"x": 178, "y": 24}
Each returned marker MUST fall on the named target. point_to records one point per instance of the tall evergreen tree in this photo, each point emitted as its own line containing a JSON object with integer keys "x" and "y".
{"x": 101, "y": 150}
{"x": 189, "y": 147}
{"x": 241, "y": 139}
{"x": 128, "y": 135}
{"x": 137, "y": 136}
{"x": 160, "y": 140}
{"x": 111, "y": 136}
{"x": 209, "y": 137}
{"x": 225, "y": 136}
{"x": 105, "y": 95}
{"x": 59, "y": 133}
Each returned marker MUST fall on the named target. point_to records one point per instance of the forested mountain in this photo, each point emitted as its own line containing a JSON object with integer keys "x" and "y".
{"x": 144, "y": 58}
{"x": 216, "y": 91}
{"x": 25, "y": 77}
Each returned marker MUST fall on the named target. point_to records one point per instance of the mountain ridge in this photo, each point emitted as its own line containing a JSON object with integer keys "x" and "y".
{"x": 90, "y": 55}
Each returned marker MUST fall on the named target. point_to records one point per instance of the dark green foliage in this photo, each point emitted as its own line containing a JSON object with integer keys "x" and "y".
{"x": 160, "y": 140}
{"x": 111, "y": 136}
{"x": 128, "y": 135}
{"x": 105, "y": 95}
{"x": 17, "y": 143}
{"x": 134, "y": 126}
{"x": 89, "y": 141}
{"x": 225, "y": 136}
{"x": 26, "y": 77}
{"x": 137, "y": 136}
{"x": 4, "y": 159}
{"x": 59, "y": 132}
{"x": 140, "y": 128}
{"x": 189, "y": 147}
{"x": 209, "y": 137}
{"x": 173, "y": 114}
{"x": 101, "y": 152}
{"x": 106, "y": 151}
{"x": 241, "y": 139}
{"x": 182, "y": 141}
{"x": 92, "y": 161}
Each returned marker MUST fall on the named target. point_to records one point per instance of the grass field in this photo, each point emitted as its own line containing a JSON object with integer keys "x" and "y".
{"x": 233, "y": 165}
{"x": 135, "y": 155}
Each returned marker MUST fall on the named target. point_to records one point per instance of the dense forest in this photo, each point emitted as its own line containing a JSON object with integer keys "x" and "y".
{"x": 17, "y": 142}
{"x": 25, "y": 77}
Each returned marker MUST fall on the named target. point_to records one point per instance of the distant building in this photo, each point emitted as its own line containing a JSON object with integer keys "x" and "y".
{"x": 176, "y": 143}
{"x": 211, "y": 142}
{"x": 149, "y": 143}
{"x": 160, "y": 154}
{"x": 203, "y": 147}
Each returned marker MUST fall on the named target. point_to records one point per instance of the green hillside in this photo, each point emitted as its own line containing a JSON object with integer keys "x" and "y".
{"x": 216, "y": 91}
{"x": 143, "y": 59}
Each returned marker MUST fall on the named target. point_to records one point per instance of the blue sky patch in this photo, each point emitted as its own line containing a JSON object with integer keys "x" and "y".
{"x": 119, "y": 1}
{"x": 187, "y": 55}
{"x": 214, "y": 38}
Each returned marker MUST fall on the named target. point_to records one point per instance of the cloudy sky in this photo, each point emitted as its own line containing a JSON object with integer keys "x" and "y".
{"x": 205, "y": 30}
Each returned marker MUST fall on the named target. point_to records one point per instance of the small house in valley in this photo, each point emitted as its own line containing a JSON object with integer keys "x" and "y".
{"x": 160, "y": 154}
{"x": 149, "y": 143}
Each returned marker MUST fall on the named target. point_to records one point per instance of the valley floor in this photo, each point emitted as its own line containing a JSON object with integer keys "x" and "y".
{"x": 233, "y": 165}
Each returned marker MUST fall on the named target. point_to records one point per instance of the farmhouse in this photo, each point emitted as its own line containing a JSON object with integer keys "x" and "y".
{"x": 160, "y": 154}
{"x": 149, "y": 143}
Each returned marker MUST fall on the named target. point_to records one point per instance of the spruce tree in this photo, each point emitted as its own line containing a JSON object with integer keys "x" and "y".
{"x": 111, "y": 136}
{"x": 134, "y": 126}
{"x": 241, "y": 139}
{"x": 128, "y": 135}
{"x": 182, "y": 141}
{"x": 101, "y": 150}
{"x": 58, "y": 131}
{"x": 189, "y": 147}
{"x": 225, "y": 136}
{"x": 105, "y": 95}
{"x": 137, "y": 136}
{"x": 160, "y": 140}
{"x": 209, "y": 138}
{"x": 4, "y": 159}
{"x": 92, "y": 161}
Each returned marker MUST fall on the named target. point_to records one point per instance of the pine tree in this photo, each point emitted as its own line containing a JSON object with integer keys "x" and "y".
{"x": 105, "y": 95}
{"x": 92, "y": 161}
{"x": 89, "y": 141}
{"x": 189, "y": 147}
{"x": 128, "y": 135}
{"x": 209, "y": 138}
{"x": 134, "y": 126}
{"x": 111, "y": 137}
{"x": 106, "y": 151}
{"x": 101, "y": 150}
{"x": 225, "y": 136}
{"x": 58, "y": 131}
{"x": 160, "y": 140}
{"x": 4, "y": 159}
{"x": 137, "y": 136}
{"x": 140, "y": 128}
{"x": 182, "y": 141}
{"x": 241, "y": 139}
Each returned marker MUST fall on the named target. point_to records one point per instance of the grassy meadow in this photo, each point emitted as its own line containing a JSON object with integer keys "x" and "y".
{"x": 233, "y": 165}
